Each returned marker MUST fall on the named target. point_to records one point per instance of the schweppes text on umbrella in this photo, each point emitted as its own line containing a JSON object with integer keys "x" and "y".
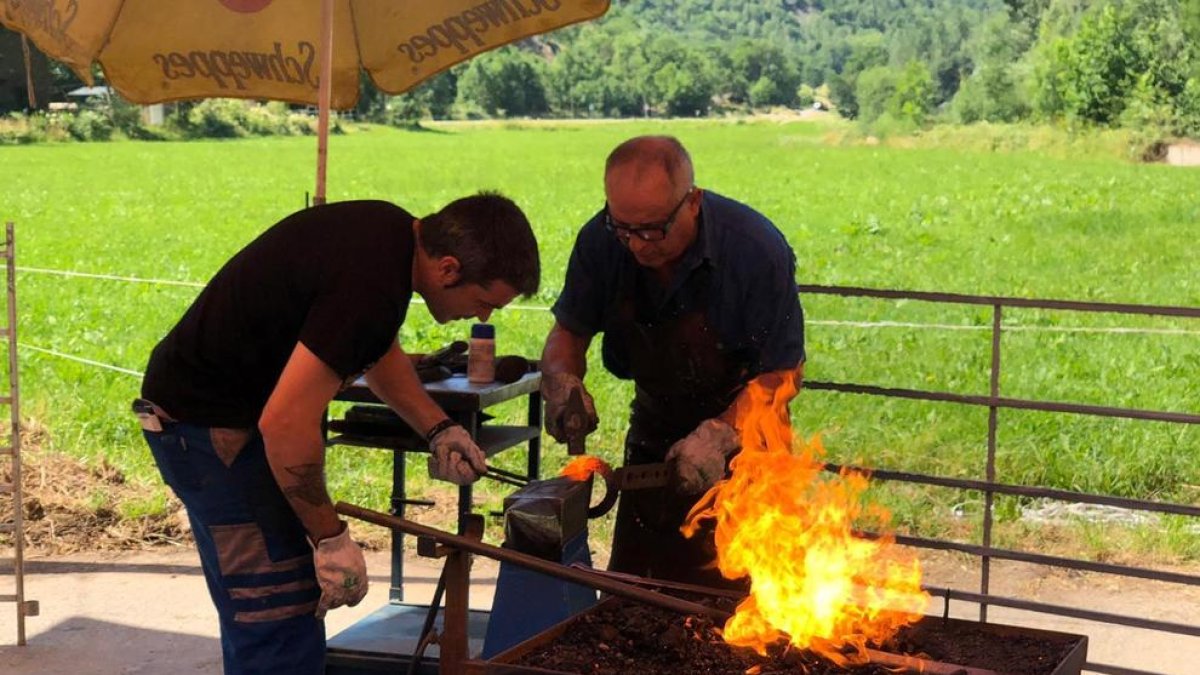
{"x": 464, "y": 31}
{"x": 234, "y": 68}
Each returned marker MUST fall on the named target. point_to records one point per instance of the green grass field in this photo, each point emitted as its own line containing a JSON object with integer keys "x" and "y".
{"x": 950, "y": 219}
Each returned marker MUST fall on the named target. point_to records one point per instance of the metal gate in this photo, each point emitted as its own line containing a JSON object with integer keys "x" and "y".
{"x": 990, "y": 487}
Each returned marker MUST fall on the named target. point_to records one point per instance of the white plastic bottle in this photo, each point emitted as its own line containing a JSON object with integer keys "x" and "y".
{"x": 481, "y": 359}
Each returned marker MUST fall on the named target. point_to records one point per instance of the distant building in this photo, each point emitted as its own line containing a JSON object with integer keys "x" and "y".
{"x": 14, "y": 93}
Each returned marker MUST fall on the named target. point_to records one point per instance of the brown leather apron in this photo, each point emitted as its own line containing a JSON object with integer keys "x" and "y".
{"x": 683, "y": 376}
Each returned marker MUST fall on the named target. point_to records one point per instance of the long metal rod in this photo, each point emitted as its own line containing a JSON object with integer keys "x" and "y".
{"x": 15, "y": 430}
{"x": 1072, "y": 612}
{"x": 1039, "y": 559}
{"x": 1109, "y": 669}
{"x": 1003, "y": 402}
{"x": 1019, "y": 490}
{"x": 430, "y": 619}
{"x": 989, "y": 495}
{"x": 534, "y": 563}
{"x": 1028, "y": 303}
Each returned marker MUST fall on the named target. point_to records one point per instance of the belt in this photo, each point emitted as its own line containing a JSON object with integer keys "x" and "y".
{"x": 150, "y": 415}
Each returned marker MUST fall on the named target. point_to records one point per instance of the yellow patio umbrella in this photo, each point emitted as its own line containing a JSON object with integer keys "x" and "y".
{"x": 301, "y": 51}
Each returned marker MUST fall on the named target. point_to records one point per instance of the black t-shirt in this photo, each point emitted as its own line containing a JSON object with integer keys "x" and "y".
{"x": 337, "y": 278}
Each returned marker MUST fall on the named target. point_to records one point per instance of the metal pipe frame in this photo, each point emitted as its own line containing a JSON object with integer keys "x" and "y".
{"x": 994, "y": 402}
{"x": 454, "y": 656}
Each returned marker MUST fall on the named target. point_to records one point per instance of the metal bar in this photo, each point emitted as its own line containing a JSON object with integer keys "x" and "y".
{"x": 1115, "y": 670}
{"x": 1039, "y": 559}
{"x": 1003, "y": 402}
{"x": 534, "y": 563}
{"x": 398, "y": 506}
{"x": 507, "y": 477}
{"x": 661, "y": 583}
{"x": 1059, "y": 610}
{"x": 962, "y": 299}
{"x": 1021, "y": 490}
{"x": 508, "y": 474}
{"x": 427, "y": 628}
{"x": 989, "y": 496}
{"x": 534, "y": 460}
{"x": 452, "y": 645}
{"x": 14, "y": 374}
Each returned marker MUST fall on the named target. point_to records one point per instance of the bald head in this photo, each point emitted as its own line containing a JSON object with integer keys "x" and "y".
{"x": 643, "y": 156}
{"x": 648, "y": 186}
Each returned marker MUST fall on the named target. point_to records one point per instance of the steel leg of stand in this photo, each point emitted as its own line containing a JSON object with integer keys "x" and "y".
{"x": 535, "y": 443}
{"x": 399, "y": 495}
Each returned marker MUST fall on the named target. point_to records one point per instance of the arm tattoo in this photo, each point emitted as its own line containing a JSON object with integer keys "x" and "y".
{"x": 309, "y": 486}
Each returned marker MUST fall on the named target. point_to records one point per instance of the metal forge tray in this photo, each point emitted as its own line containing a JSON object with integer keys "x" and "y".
{"x": 1074, "y": 650}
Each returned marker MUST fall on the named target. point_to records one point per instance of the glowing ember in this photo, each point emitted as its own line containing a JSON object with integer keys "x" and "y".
{"x": 790, "y": 530}
{"x": 582, "y": 467}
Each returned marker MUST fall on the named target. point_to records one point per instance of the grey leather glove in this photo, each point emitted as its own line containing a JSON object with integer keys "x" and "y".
{"x": 341, "y": 571}
{"x": 455, "y": 457}
{"x": 698, "y": 459}
{"x": 556, "y": 391}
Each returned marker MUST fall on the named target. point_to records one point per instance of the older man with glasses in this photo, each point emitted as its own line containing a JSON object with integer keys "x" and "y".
{"x": 695, "y": 294}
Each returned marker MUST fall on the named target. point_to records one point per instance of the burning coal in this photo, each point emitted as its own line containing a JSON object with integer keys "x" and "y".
{"x": 789, "y": 528}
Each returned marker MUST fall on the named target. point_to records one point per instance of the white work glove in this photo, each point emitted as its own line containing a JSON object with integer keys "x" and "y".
{"x": 699, "y": 458}
{"x": 341, "y": 571}
{"x": 556, "y": 391}
{"x": 455, "y": 457}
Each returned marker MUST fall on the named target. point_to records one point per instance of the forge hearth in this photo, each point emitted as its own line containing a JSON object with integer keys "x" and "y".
{"x": 619, "y": 637}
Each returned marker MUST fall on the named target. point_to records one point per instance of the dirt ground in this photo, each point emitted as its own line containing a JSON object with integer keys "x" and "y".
{"x": 148, "y": 612}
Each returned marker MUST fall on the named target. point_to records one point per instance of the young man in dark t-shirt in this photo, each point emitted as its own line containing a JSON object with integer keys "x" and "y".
{"x": 234, "y": 395}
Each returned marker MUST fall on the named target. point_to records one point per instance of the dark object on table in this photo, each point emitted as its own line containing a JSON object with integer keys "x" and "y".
{"x": 452, "y": 360}
{"x": 443, "y": 363}
{"x": 511, "y": 368}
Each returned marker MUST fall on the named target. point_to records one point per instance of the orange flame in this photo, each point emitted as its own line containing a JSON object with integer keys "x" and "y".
{"x": 790, "y": 530}
{"x": 582, "y": 467}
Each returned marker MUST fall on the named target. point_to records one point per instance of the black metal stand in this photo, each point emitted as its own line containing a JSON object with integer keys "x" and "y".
{"x": 386, "y": 640}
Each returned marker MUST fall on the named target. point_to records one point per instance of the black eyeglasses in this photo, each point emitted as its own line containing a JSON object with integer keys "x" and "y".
{"x": 645, "y": 231}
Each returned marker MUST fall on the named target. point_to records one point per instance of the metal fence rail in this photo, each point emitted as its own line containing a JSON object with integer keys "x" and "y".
{"x": 990, "y": 486}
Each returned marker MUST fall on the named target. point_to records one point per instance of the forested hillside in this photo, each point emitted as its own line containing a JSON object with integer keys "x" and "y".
{"x": 891, "y": 64}
{"x": 900, "y": 62}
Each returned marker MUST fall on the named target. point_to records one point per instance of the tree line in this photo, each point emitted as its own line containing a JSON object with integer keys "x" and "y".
{"x": 904, "y": 63}
{"x": 908, "y": 62}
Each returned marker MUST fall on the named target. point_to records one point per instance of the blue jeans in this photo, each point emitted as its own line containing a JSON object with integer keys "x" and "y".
{"x": 253, "y": 548}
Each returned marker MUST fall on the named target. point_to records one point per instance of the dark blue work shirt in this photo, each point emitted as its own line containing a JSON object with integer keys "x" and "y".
{"x": 752, "y": 300}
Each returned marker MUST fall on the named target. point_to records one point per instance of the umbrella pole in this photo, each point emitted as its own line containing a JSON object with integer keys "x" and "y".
{"x": 28, "y": 73}
{"x": 324, "y": 97}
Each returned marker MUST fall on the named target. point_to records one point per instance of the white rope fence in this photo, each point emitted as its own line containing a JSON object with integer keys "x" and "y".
{"x": 79, "y": 359}
{"x": 110, "y": 277}
{"x": 540, "y": 308}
